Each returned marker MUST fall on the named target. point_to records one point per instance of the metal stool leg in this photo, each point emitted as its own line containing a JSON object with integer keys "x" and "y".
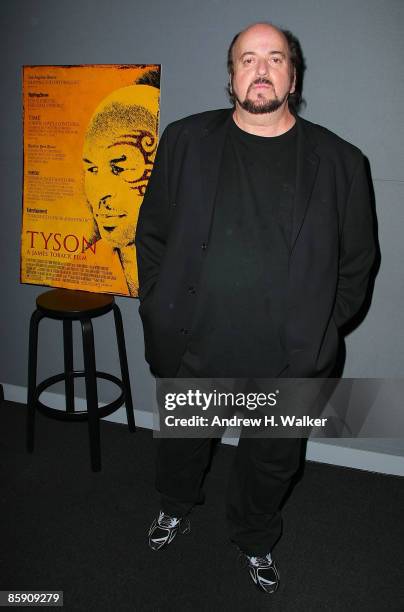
{"x": 68, "y": 359}
{"x": 32, "y": 368}
{"x": 91, "y": 393}
{"x": 120, "y": 336}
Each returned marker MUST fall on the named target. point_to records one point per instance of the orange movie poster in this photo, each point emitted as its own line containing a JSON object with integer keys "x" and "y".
{"x": 90, "y": 138}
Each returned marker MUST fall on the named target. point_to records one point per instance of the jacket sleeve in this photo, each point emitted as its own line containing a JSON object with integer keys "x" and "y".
{"x": 152, "y": 226}
{"x": 357, "y": 248}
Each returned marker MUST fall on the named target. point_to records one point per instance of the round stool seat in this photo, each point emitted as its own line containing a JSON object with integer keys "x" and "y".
{"x": 62, "y": 303}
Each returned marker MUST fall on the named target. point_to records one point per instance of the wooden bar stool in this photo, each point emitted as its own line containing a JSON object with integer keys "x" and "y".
{"x": 68, "y": 306}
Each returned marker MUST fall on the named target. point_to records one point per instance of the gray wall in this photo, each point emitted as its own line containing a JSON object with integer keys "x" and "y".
{"x": 353, "y": 86}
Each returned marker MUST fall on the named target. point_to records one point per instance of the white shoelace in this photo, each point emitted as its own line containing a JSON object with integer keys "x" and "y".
{"x": 260, "y": 561}
{"x": 165, "y": 520}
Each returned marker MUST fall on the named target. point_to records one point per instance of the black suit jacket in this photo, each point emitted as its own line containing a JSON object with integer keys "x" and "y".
{"x": 332, "y": 249}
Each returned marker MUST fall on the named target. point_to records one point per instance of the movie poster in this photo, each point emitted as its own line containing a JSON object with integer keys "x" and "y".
{"x": 90, "y": 138}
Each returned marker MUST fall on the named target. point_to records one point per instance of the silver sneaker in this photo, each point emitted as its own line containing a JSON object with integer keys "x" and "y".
{"x": 263, "y": 572}
{"x": 164, "y": 529}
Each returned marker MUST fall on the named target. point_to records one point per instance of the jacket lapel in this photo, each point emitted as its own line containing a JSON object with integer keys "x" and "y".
{"x": 306, "y": 171}
{"x": 212, "y": 145}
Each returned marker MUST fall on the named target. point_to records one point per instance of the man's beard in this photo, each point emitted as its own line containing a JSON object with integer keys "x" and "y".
{"x": 259, "y": 107}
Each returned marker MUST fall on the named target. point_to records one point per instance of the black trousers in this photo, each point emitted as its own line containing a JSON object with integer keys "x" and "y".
{"x": 258, "y": 482}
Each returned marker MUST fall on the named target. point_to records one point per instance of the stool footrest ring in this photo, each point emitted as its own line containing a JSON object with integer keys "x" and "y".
{"x": 77, "y": 415}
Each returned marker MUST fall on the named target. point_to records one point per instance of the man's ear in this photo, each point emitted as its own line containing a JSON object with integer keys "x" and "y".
{"x": 293, "y": 82}
{"x": 230, "y": 84}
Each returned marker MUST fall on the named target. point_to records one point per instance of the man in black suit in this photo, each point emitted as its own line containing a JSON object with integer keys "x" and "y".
{"x": 254, "y": 245}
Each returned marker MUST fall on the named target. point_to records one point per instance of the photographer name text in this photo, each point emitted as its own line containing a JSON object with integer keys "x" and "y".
{"x": 235, "y": 421}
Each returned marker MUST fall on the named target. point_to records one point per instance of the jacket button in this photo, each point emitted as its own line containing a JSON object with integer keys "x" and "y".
{"x": 173, "y": 204}
{"x": 204, "y": 246}
{"x": 192, "y": 290}
{"x": 184, "y": 331}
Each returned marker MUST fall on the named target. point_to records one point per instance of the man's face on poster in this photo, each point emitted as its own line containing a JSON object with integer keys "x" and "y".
{"x": 117, "y": 167}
